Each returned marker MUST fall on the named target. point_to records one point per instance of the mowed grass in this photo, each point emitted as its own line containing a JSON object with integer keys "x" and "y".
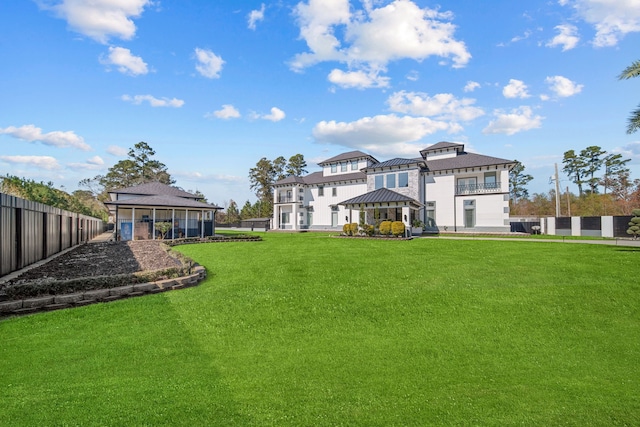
{"x": 305, "y": 329}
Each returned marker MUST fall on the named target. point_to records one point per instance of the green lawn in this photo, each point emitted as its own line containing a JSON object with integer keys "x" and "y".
{"x": 304, "y": 329}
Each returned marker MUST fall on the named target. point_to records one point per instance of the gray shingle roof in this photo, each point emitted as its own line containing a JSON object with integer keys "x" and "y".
{"x": 162, "y": 201}
{"x": 351, "y": 155}
{"x": 465, "y": 160}
{"x": 154, "y": 189}
{"x": 442, "y": 145}
{"x": 381, "y": 195}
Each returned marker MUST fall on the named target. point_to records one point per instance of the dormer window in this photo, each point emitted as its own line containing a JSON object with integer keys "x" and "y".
{"x": 343, "y": 167}
{"x": 334, "y": 168}
{"x": 354, "y": 165}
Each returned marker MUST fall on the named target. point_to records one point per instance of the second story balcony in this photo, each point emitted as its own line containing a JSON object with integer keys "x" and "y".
{"x": 287, "y": 198}
{"x": 484, "y": 188}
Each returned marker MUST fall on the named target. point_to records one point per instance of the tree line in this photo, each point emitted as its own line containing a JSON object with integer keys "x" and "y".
{"x": 604, "y": 186}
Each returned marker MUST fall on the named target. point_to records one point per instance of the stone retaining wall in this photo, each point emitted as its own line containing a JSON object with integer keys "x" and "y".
{"x": 57, "y": 302}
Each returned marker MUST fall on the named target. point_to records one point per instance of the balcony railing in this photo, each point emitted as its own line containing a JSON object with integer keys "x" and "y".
{"x": 290, "y": 199}
{"x": 493, "y": 187}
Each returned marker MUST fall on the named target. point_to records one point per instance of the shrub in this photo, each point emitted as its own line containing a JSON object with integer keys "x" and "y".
{"x": 385, "y": 228}
{"x": 634, "y": 225}
{"x": 367, "y": 229}
{"x": 346, "y": 229}
{"x": 397, "y": 228}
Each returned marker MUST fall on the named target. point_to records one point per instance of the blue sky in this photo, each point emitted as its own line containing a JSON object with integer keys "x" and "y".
{"x": 213, "y": 86}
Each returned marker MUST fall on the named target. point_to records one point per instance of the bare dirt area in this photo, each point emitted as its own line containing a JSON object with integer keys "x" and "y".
{"x": 101, "y": 259}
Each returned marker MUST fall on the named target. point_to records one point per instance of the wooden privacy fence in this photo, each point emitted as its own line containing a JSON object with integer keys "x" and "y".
{"x": 30, "y": 232}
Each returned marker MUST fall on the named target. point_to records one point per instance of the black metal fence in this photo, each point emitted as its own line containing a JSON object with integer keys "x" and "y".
{"x": 30, "y": 232}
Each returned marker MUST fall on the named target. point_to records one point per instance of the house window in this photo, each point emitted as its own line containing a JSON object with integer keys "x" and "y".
{"x": 391, "y": 180}
{"x": 431, "y": 214}
{"x": 343, "y": 167}
{"x": 285, "y": 217}
{"x": 334, "y": 168}
{"x": 320, "y": 191}
{"x": 379, "y": 181}
{"x": 490, "y": 180}
{"x": 403, "y": 179}
{"x": 469, "y": 213}
{"x": 466, "y": 185}
{"x": 334, "y": 191}
{"x": 354, "y": 165}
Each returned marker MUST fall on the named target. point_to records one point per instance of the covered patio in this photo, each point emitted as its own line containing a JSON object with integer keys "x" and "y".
{"x": 383, "y": 204}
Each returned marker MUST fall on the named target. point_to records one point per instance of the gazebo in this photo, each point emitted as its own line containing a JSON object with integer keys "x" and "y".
{"x": 159, "y": 211}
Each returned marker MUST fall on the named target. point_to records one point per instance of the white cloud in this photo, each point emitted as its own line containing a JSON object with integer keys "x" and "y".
{"x": 518, "y": 120}
{"x": 630, "y": 150}
{"x": 125, "y": 61}
{"x": 44, "y": 162}
{"x": 471, "y": 86}
{"x": 62, "y": 139}
{"x": 357, "y": 79}
{"x": 255, "y": 16}
{"x": 94, "y": 163}
{"x": 443, "y": 106}
{"x": 153, "y": 101}
{"x": 515, "y": 89}
{"x": 99, "y": 19}
{"x": 370, "y": 38}
{"x": 379, "y": 134}
{"x": 567, "y": 37}
{"x": 227, "y": 112}
{"x": 612, "y": 19}
{"x": 114, "y": 150}
{"x": 275, "y": 116}
{"x": 209, "y": 64}
{"x": 563, "y": 87}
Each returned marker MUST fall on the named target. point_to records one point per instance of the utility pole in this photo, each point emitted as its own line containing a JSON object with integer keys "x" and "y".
{"x": 557, "y": 192}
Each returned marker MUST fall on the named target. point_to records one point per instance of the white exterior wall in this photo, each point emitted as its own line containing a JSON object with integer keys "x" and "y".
{"x": 440, "y": 189}
{"x": 322, "y": 205}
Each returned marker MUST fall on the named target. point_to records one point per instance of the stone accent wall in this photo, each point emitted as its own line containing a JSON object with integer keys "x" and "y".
{"x": 79, "y": 299}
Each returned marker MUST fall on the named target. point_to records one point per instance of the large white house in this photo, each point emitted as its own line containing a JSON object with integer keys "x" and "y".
{"x": 446, "y": 188}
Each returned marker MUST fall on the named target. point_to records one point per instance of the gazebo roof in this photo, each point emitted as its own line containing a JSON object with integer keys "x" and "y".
{"x": 164, "y": 201}
{"x": 381, "y": 195}
{"x": 155, "y": 189}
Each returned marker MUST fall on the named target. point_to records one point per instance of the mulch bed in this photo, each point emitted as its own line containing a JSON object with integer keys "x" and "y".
{"x": 103, "y": 259}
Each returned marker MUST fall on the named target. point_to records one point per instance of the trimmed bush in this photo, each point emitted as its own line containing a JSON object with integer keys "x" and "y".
{"x": 397, "y": 228}
{"x": 350, "y": 229}
{"x": 634, "y": 225}
{"x": 385, "y": 228}
{"x": 367, "y": 229}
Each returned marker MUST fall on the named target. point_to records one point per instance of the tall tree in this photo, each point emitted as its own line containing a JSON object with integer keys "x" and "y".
{"x": 631, "y": 71}
{"x": 574, "y": 167}
{"x": 232, "y": 212}
{"x": 614, "y": 169}
{"x": 266, "y": 173}
{"x": 297, "y": 165}
{"x": 518, "y": 181}
{"x": 593, "y": 161}
{"x": 139, "y": 168}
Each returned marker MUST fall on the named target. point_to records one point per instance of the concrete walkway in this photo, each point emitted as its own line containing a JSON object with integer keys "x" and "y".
{"x": 104, "y": 237}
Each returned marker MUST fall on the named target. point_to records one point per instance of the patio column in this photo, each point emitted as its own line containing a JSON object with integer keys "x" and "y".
{"x": 173, "y": 223}
{"x": 186, "y": 222}
{"x": 153, "y": 227}
{"x": 202, "y": 224}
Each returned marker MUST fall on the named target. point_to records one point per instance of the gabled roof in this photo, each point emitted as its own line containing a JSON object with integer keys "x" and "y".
{"x": 442, "y": 146}
{"x": 397, "y": 162}
{"x": 155, "y": 189}
{"x": 316, "y": 178}
{"x": 351, "y": 155}
{"x": 465, "y": 160}
{"x": 162, "y": 201}
{"x": 381, "y": 195}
